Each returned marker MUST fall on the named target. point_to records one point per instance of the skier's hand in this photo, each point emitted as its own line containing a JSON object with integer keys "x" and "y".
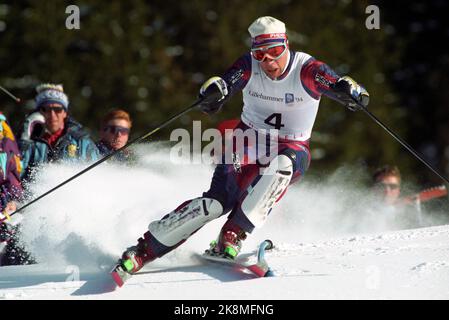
{"x": 5, "y": 213}
{"x": 32, "y": 125}
{"x": 351, "y": 93}
{"x": 213, "y": 92}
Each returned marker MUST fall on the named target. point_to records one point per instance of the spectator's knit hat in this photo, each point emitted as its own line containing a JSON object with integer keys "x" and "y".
{"x": 266, "y": 30}
{"x": 51, "y": 93}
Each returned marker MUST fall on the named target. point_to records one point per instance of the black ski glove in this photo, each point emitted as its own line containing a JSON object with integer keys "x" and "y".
{"x": 213, "y": 92}
{"x": 350, "y": 93}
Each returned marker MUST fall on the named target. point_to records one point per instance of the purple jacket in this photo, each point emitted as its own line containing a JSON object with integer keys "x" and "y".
{"x": 10, "y": 185}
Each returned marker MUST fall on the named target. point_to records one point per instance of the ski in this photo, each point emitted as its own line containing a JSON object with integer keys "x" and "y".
{"x": 259, "y": 269}
{"x": 119, "y": 275}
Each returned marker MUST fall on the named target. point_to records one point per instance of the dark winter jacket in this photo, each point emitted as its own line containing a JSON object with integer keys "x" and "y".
{"x": 74, "y": 145}
{"x": 125, "y": 156}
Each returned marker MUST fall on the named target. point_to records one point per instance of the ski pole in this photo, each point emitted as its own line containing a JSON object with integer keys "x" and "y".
{"x": 401, "y": 141}
{"x": 164, "y": 124}
{"x": 10, "y": 94}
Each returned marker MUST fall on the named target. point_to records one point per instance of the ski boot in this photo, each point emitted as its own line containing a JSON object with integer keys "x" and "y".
{"x": 132, "y": 260}
{"x": 229, "y": 241}
{"x": 135, "y": 257}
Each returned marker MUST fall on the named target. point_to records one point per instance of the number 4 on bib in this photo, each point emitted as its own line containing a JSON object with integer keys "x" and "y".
{"x": 277, "y": 123}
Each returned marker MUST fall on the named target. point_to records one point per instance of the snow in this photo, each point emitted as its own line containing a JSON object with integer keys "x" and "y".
{"x": 328, "y": 244}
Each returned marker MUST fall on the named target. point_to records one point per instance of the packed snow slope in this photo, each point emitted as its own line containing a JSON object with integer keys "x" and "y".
{"x": 330, "y": 243}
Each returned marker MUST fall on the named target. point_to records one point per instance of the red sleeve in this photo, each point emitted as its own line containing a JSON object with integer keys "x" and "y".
{"x": 316, "y": 78}
{"x": 237, "y": 76}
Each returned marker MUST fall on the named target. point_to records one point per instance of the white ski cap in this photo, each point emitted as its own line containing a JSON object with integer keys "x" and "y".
{"x": 267, "y": 30}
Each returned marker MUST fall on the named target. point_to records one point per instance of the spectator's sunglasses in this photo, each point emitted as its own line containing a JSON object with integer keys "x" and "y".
{"x": 116, "y": 129}
{"x": 48, "y": 109}
{"x": 274, "y": 52}
{"x": 391, "y": 186}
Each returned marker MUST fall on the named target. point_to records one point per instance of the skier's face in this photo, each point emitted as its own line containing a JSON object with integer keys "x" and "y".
{"x": 116, "y": 133}
{"x": 55, "y": 116}
{"x": 272, "y": 59}
{"x": 390, "y": 188}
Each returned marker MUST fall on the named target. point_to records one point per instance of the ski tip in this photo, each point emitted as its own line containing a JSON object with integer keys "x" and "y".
{"x": 269, "y": 273}
{"x": 117, "y": 279}
{"x": 268, "y": 244}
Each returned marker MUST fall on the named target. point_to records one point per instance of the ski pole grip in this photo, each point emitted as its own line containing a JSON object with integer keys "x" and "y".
{"x": 6, "y": 216}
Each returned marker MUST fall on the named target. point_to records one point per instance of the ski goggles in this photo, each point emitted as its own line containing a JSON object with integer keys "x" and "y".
{"x": 117, "y": 130}
{"x": 273, "y": 52}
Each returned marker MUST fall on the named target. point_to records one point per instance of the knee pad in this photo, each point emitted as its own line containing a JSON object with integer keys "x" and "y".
{"x": 292, "y": 155}
{"x": 262, "y": 196}
{"x": 181, "y": 223}
{"x": 300, "y": 159}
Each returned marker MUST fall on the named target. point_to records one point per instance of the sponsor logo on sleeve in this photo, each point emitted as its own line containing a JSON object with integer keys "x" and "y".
{"x": 325, "y": 82}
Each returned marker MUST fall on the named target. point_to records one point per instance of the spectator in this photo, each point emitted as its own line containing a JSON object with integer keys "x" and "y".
{"x": 114, "y": 134}
{"x": 404, "y": 212}
{"x": 387, "y": 182}
{"x": 11, "y": 253}
{"x": 50, "y": 134}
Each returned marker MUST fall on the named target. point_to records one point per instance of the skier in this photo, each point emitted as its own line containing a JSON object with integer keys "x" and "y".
{"x": 281, "y": 93}
{"x": 50, "y": 134}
